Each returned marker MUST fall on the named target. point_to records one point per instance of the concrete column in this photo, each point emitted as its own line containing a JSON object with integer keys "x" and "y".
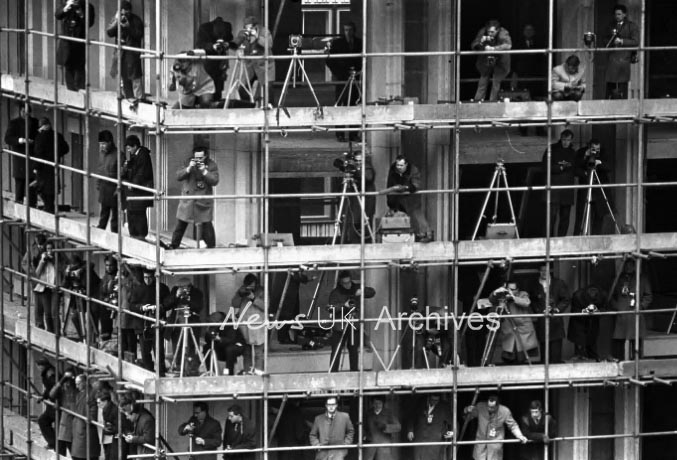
{"x": 573, "y": 419}
{"x": 625, "y": 410}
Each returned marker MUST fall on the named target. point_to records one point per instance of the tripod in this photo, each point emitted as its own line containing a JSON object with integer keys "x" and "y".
{"x": 338, "y": 353}
{"x": 210, "y": 363}
{"x": 353, "y": 82}
{"x": 77, "y": 314}
{"x": 585, "y": 226}
{"x": 496, "y": 187}
{"x": 348, "y": 185}
{"x": 295, "y": 65}
{"x": 239, "y": 78}
{"x": 183, "y": 342}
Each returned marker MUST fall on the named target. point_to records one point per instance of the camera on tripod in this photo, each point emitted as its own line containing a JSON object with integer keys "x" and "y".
{"x": 220, "y": 46}
{"x": 589, "y": 39}
{"x": 503, "y": 295}
{"x": 349, "y": 163}
{"x": 296, "y": 41}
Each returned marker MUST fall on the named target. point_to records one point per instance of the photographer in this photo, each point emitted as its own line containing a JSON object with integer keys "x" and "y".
{"x": 109, "y": 293}
{"x": 44, "y": 173}
{"x": 255, "y": 40}
{"x": 185, "y": 304}
{"x": 47, "y": 418}
{"x": 404, "y": 180}
{"x": 431, "y": 421}
{"x": 75, "y": 279}
{"x": 143, "y": 428}
{"x": 71, "y": 54}
{"x": 108, "y": 413}
{"x": 131, "y": 327}
{"x": 583, "y": 330}
{"x": 228, "y": 341}
{"x": 559, "y": 301}
{"x": 625, "y": 297}
{"x": 568, "y": 80}
{"x": 344, "y": 302}
{"x": 215, "y": 38}
{"x": 249, "y": 303}
{"x": 341, "y": 67}
{"x": 131, "y": 34}
{"x": 199, "y": 175}
{"x": 518, "y": 336}
{"x": 63, "y": 394}
{"x": 204, "y": 431}
{"x": 42, "y": 267}
{"x": 17, "y": 142}
{"x": 196, "y": 87}
{"x": 589, "y": 159}
{"x": 621, "y": 33}
{"x": 562, "y": 172}
{"x": 143, "y": 300}
{"x": 491, "y": 37}
{"x": 138, "y": 170}
{"x": 108, "y": 191}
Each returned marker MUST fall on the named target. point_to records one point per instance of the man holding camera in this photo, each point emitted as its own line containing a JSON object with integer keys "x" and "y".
{"x": 43, "y": 268}
{"x": 138, "y": 170}
{"x": 71, "y": 54}
{"x": 404, "y": 180}
{"x": 109, "y": 293}
{"x": 143, "y": 301}
{"x": 16, "y": 140}
{"x": 559, "y": 300}
{"x": 75, "y": 278}
{"x": 621, "y": 33}
{"x": 63, "y": 394}
{"x": 143, "y": 427}
{"x": 518, "y": 335}
{"x": 215, "y": 39}
{"x": 562, "y": 172}
{"x": 491, "y": 37}
{"x": 196, "y": 87}
{"x": 185, "y": 305}
{"x": 248, "y": 302}
{"x": 588, "y": 163}
{"x": 131, "y": 34}
{"x": 203, "y": 430}
{"x": 568, "y": 80}
{"x": 199, "y": 175}
{"x": 344, "y": 302}
{"x": 583, "y": 330}
{"x": 341, "y": 67}
{"x": 48, "y": 417}
{"x": 256, "y": 40}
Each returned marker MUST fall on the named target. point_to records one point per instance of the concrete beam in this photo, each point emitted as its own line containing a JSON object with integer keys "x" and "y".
{"x": 105, "y": 102}
{"x": 384, "y": 380}
{"x": 16, "y": 429}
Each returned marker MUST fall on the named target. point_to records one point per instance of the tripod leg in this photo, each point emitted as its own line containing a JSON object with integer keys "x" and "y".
{"x": 175, "y": 351}
{"x": 339, "y": 350}
{"x": 310, "y": 86}
{"x": 340, "y": 97}
{"x": 606, "y": 200}
{"x": 363, "y": 214}
{"x": 510, "y": 205}
{"x": 484, "y": 205}
{"x": 285, "y": 86}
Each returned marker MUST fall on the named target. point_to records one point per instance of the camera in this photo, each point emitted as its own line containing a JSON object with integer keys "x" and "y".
{"x": 349, "y": 163}
{"x": 591, "y": 160}
{"x": 220, "y": 46}
{"x": 413, "y": 303}
{"x": 589, "y": 38}
{"x": 199, "y": 161}
{"x": 184, "y": 295}
{"x": 503, "y": 295}
{"x": 124, "y": 20}
{"x": 295, "y": 41}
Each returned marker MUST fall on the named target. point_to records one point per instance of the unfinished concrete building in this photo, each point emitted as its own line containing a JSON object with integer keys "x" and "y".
{"x": 303, "y": 193}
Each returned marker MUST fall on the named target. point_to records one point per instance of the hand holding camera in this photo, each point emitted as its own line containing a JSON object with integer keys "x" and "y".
{"x": 199, "y": 441}
{"x": 592, "y": 308}
{"x": 563, "y": 165}
{"x": 148, "y": 307}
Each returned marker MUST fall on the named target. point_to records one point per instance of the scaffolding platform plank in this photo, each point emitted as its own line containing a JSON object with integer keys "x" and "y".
{"x": 468, "y": 377}
{"x": 293, "y": 256}
{"x": 77, "y": 352}
{"x": 105, "y": 103}
{"x": 16, "y": 437}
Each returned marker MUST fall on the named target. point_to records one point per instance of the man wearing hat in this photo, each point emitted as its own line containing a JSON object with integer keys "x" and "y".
{"x": 108, "y": 167}
{"x": 44, "y": 148}
{"x": 199, "y": 175}
{"x": 256, "y": 40}
{"x": 16, "y": 140}
{"x": 48, "y": 417}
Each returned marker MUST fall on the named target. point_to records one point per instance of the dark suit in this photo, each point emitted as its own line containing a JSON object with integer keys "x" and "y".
{"x": 618, "y": 65}
{"x": 16, "y": 129}
{"x": 340, "y": 66}
{"x": 535, "y": 433}
{"x": 70, "y": 54}
{"x": 143, "y": 433}
{"x": 583, "y": 331}
{"x": 143, "y": 294}
{"x": 430, "y": 426}
{"x": 560, "y": 174}
{"x": 132, "y": 69}
{"x": 239, "y": 436}
{"x": 209, "y": 431}
{"x": 44, "y": 149}
{"x": 560, "y": 300}
{"x": 138, "y": 170}
{"x": 110, "y": 419}
{"x": 338, "y": 431}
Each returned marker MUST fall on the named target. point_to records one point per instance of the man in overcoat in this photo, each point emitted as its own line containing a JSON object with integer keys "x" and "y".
{"x": 199, "y": 175}
{"x": 71, "y": 54}
{"x": 621, "y": 33}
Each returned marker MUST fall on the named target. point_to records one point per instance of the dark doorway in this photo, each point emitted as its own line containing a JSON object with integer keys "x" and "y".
{"x": 659, "y": 414}
{"x": 661, "y": 69}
